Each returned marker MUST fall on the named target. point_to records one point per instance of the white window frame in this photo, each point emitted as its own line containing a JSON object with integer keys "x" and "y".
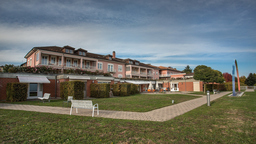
{"x": 43, "y": 60}
{"x": 67, "y": 62}
{"x": 60, "y": 61}
{"x": 55, "y": 60}
{"x": 120, "y": 68}
{"x": 87, "y": 64}
{"x": 37, "y": 56}
{"x": 75, "y": 63}
{"x": 111, "y": 68}
{"x": 100, "y": 65}
{"x": 80, "y": 53}
{"x": 67, "y": 50}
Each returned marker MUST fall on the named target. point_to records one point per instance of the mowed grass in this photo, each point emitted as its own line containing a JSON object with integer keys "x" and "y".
{"x": 135, "y": 103}
{"x": 227, "y": 120}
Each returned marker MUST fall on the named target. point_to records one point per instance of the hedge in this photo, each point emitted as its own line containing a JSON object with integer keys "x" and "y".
{"x": 116, "y": 89}
{"x": 16, "y": 92}
{"x": 100, "y": 90}
{"x": 125, "y": 89}
{"x": 223, "y": 87}
{"x": 72, "y": 88}
{"x": 134, "y": 89}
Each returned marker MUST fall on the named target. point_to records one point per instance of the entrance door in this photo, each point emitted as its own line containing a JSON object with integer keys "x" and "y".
{"x": 35, "y": 90}
{"x": 175, "y": 87}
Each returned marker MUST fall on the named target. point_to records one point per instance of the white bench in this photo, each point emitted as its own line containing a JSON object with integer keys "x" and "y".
{"x": 46, "y": 97}
{"x": 84, "y": 104}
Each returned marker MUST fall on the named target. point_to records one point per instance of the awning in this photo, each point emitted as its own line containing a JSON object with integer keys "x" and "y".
{"x": 79, "y": 77}
{"x": 139, "y": 82}
{"x": 32, "y": 79}
{"x": 104, "y": 78}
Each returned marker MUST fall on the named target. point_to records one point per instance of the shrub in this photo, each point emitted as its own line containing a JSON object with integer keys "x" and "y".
{"x": 100, "y": 90}
{"x": 125, "y": 89}
{"x": 116, "y": 89}
{"x": 72, "y": 88}
{"x": 16, "y": 92}
{"x": 134, "y": 89}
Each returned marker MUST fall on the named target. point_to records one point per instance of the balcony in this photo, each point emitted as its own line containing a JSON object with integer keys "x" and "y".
{"x": 89, "y": 67}
{"x": 165, "y": 75}
{"x": 135, "y": 72}
{"x": 150, "y": 74}
{"x": 111, "y": 70}
{"x": 143, "y": 73}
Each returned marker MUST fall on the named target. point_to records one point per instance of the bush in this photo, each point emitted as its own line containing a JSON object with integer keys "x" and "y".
{"x": 125, "y": 89}
{"x": 100, "y": 90}
{"x": 134, "y": 89}
{"x": 72, "y": 88}
{"x": 116, "y": 89}
{"x": 16, "y": 92}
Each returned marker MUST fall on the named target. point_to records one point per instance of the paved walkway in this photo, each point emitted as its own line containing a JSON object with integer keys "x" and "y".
{"x": 249, "y": 90}
{"x": 162, "y": 114}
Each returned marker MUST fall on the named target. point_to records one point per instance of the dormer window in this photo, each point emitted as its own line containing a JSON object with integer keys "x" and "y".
{"x": 83, "y": 53}
{"x": 110, "y": 58}
{"x": 136, "y": 63}
{"x": 69, "y": 51}
{"x": 130, "y": 62}
{"x": 80, "y": 53}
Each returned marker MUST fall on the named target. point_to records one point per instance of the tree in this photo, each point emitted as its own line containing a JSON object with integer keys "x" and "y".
{"x": 187, "y": 70}
{"x": 7, "y": 67}
{"x": 227, "y": 77}
{"x": 207, "y": 74}
{"x": 242, "y": 79}
{"x": 251, "y": 80}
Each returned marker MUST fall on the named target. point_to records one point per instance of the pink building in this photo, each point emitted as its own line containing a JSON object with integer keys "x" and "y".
{"x": 68, "y": 57}
{"x": 136, "y": 69}
{"x": 167, "y": 73}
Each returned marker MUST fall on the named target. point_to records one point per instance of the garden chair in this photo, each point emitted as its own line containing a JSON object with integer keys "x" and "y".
{"x": 45, "y": 97}
{"x": 68, "y": 100}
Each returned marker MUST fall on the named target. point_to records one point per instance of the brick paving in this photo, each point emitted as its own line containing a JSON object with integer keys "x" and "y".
{"x": 161, "y": 115}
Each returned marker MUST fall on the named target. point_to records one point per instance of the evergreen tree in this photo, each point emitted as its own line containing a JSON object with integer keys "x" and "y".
{"x": 187, "y": 70}
{"x": 251, "y": 80}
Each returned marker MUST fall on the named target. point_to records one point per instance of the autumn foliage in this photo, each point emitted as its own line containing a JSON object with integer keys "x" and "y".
{"x": 227, "y": 77}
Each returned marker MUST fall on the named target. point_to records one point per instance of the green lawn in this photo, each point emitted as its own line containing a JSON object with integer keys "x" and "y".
{"x": 136, "y": 103}
{"x": 228, "y": 120}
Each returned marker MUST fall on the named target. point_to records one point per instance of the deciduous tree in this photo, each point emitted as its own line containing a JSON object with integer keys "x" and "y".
{"x": 227, "y": 77}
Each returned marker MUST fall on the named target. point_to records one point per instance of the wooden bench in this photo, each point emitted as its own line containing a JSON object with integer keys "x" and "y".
{"x": 84, "y": 104}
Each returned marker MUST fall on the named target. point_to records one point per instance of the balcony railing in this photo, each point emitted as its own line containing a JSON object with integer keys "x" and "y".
{"x": 149, "y": 74}
{"x": 164, "y": 75}
{"x": 143, "y": 73}
{"x": 135, "y": 72}
{"x": 111, "y": 70}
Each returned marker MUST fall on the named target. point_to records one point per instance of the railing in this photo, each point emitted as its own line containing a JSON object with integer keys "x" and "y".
{"x": 164, "y": 75}
{"x": 135, "y": 72}
{"x": 150, "y": 74}
{"x": 111, "y": 70}
{"x": 143, "y": 73}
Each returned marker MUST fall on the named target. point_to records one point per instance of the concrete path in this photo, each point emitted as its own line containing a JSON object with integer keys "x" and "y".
{"x": 249, "y": 90}
{"x": 162, "y": 114}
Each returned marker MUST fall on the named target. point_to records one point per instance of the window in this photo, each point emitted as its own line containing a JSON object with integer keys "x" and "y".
{"x": 127, "y": 68}
{"x": 100, "y": 65}
{"x": 68, "y": 62}
{"x": 67, "y": 50}
{"x": 44, "y": 60}
{"x": 110, "y": 68}
{"x": 84, "y": 53}
{"x": 53, "y": 60}
{"x": 130, "y": 62}
{"x": 30, "y": 62}
{"x": 110, "y": 58}
{"x": 37, "y": 56}
{"x": 71, "y": 51}
{"x": 120, "y": 68}
{"x": 87, "y": 64}
{"x": 120, "y": 75}
{"x": 156, "y": 73}
{"x": 75, "y": 63}
{"x": 59, "y": 61}
{"x": 136, "y": 63}
{"x": 80, "y": 53}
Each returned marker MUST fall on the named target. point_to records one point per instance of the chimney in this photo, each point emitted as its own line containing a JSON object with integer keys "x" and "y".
{"x": 114, "y": 54}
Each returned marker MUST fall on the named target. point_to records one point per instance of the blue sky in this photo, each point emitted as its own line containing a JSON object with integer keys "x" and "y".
{"x": 163, "y": 33}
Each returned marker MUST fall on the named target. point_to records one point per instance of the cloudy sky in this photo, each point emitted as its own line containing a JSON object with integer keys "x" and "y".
{"x": 160, "y": 32}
